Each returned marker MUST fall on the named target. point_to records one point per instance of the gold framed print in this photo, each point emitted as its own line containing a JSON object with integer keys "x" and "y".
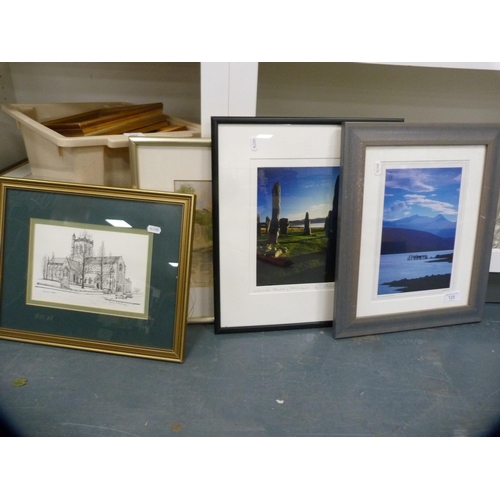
{"x": 96, "y": 268}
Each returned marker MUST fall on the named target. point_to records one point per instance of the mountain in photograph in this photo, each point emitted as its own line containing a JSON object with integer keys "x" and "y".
{"x": 418, "y": 234}
{"x": 439, "y": 225}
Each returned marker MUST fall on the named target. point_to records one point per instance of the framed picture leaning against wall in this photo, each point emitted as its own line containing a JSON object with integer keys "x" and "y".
{"x": 95, "y": 268}
{"x": 275, "y": 192}
{"x": 417, "y": 214}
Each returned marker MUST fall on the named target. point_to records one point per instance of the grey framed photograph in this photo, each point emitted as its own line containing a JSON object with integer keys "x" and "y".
{"x": 417, "y": 215}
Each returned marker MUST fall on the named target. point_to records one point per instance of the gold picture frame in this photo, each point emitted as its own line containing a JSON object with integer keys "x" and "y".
{"x": 95, "y": 268}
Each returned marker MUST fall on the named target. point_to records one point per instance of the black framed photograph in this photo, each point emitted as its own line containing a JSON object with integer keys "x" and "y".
{"x": 417, "y": 212}
{"x": 95, "y": 268}
{"x": 275, "y": 192}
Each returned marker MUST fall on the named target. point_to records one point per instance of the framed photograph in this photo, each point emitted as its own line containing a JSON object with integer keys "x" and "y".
{"x": 275, "y": 221}
{"x": 96, "y": 268}
{"x": 417, "y": 212}
{"x": 183, "y": 166}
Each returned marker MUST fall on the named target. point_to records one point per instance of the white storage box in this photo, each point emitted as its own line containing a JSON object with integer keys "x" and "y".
{"x": 102, "y": 160}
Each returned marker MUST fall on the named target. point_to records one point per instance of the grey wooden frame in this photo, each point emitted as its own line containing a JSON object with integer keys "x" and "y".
{"x": 356, "y": 138}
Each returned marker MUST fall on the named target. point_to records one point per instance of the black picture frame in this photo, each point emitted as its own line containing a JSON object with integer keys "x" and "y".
{"x": 240, "y": 146}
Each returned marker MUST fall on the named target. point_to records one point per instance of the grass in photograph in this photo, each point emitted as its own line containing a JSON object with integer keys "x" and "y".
{"x": 296, "y": 259}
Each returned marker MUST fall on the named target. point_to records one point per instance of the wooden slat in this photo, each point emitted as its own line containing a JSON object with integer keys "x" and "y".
{"x": 109, "y": 120}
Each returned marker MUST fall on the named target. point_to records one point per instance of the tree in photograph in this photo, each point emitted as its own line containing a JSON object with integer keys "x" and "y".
{"x": 203, "y": 235}
{"x": 186, "y": 189}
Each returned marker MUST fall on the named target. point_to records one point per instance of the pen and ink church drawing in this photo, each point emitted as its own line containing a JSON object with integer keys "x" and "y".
{"x": 84, "y": 270}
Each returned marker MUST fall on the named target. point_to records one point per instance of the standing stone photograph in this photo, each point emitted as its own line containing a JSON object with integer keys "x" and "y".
{"x": 297, "y": 210}
{"x": 90, "y": 268}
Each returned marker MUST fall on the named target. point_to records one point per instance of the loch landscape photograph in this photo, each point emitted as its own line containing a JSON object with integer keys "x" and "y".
{"x": 418, "y": 229}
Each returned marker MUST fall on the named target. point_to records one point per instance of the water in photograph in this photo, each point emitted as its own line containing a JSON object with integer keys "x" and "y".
{"x": 395, "y": 267}
{"x": 318, "y": 225}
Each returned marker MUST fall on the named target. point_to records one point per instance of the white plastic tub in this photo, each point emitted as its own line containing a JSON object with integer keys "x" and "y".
{"x": 102, "y": 160}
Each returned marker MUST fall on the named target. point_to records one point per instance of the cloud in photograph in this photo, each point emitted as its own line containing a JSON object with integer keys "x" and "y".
{"x": 316, "y": 211}
{"x": 421, "y": 180}
{"x": 441, "y": 207}
{"x": 397, "y": 210}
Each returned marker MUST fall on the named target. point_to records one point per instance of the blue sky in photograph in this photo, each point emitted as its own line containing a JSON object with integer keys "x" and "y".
{"x": 422, "y": 191}
{"x": 303, "y": 189}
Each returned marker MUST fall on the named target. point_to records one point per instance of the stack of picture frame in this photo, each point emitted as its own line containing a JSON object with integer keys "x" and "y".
{"x": 366, "y": 225}
{"x": 416, "y": 207}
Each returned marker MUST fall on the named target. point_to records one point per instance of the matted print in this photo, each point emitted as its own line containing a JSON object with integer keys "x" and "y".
{"x": 271, "y": 175}
{"x": 87, "y": 267}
